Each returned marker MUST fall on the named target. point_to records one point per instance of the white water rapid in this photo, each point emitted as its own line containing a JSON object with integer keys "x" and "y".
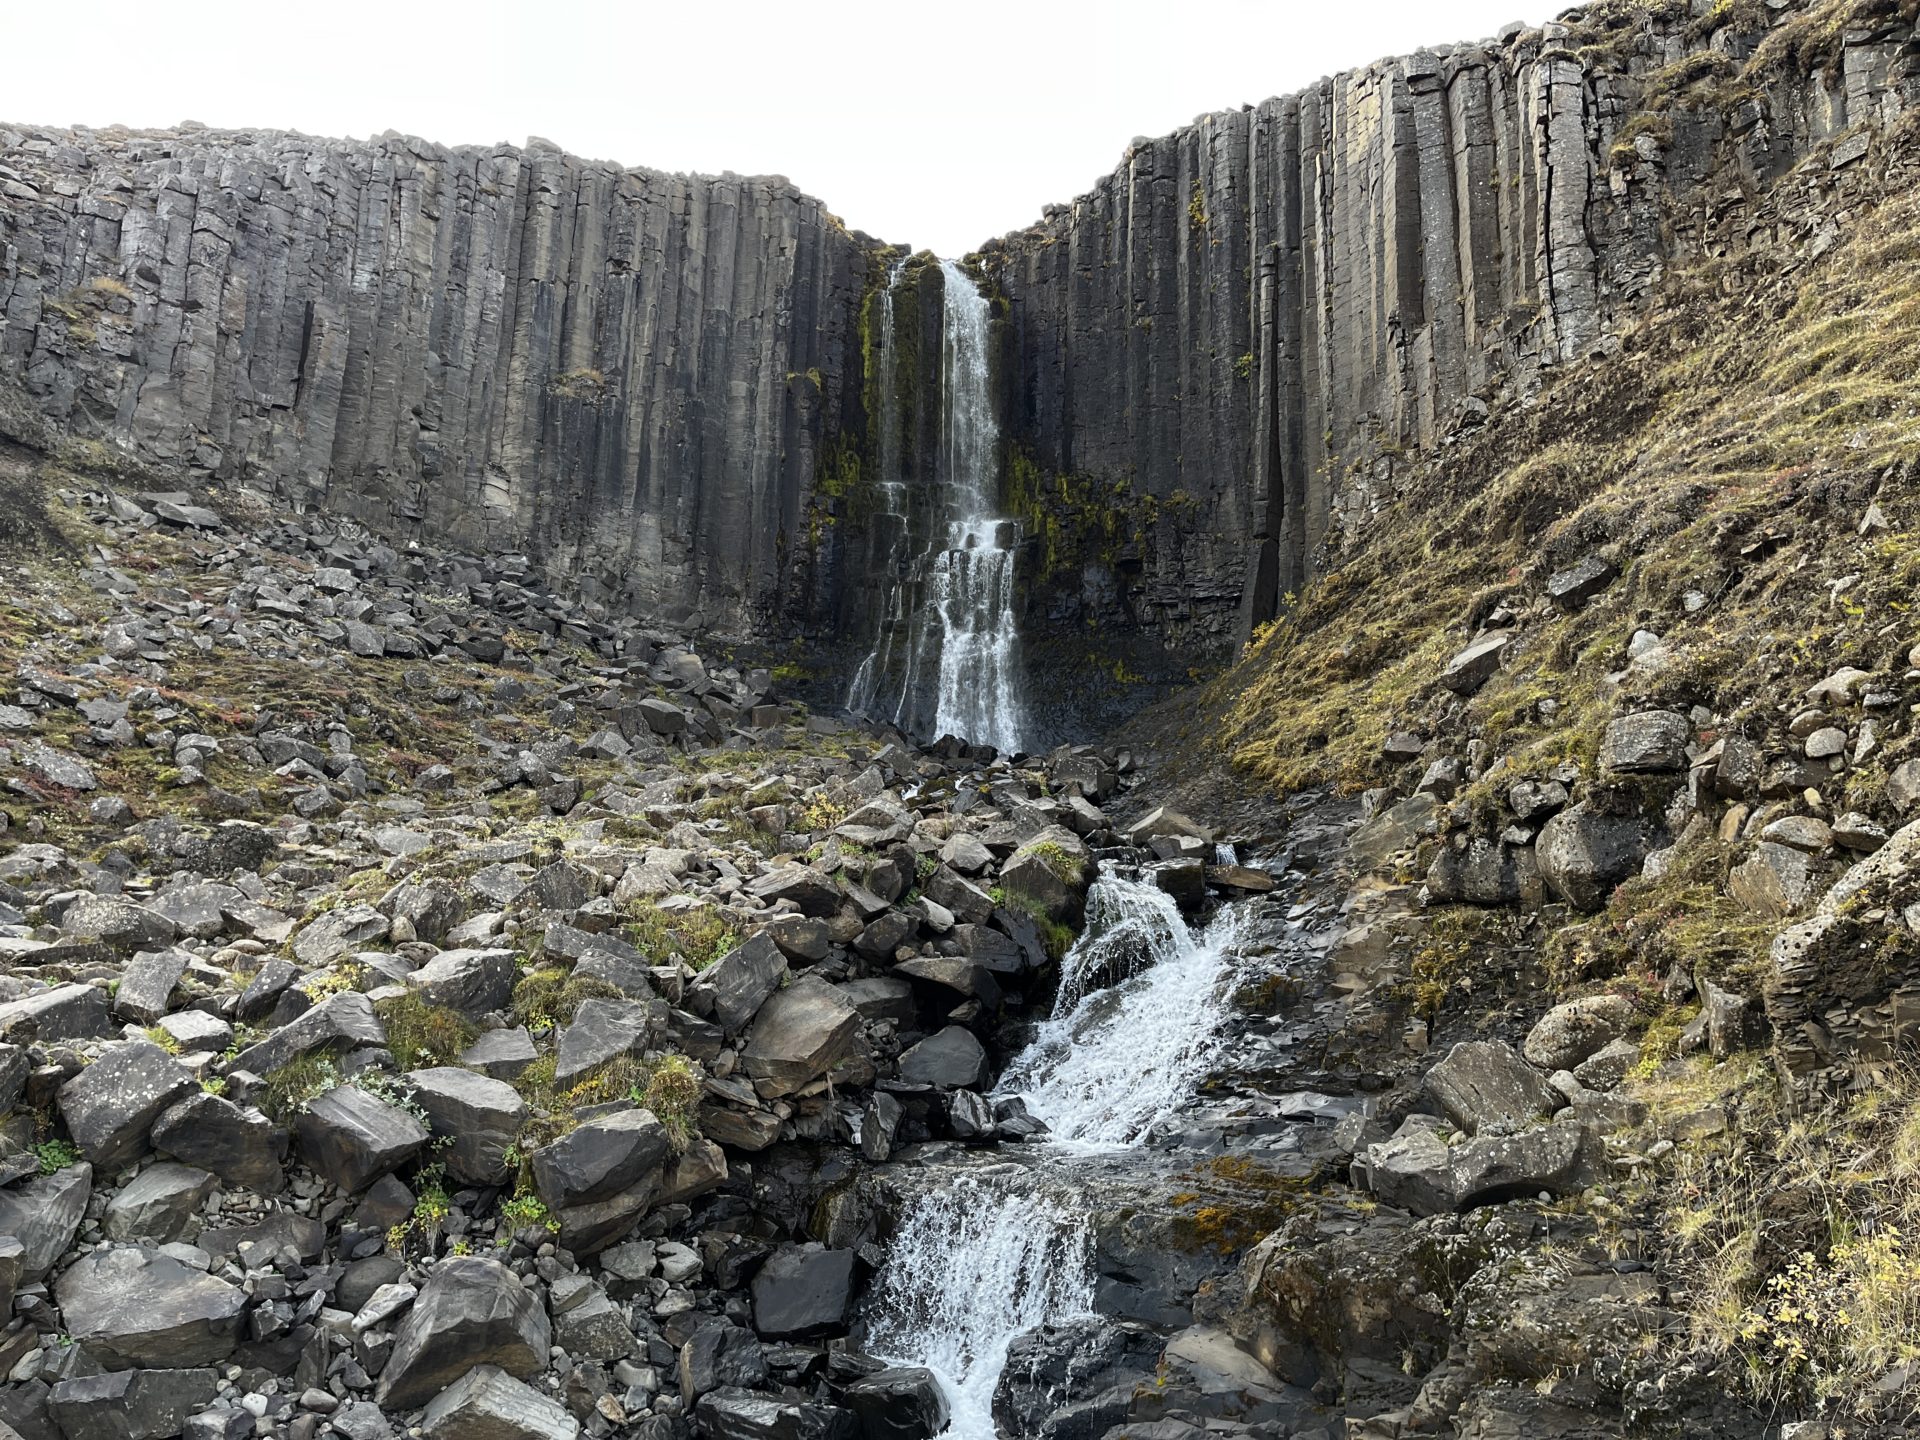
{"x": 1137, "y": 1022}
{"x": 974, "y": 1265}
{"x": 953, "y": 613}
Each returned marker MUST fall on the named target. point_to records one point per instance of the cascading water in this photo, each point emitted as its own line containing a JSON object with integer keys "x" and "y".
{"x": 1136, "y": 1023}
{"x": 1135, "y": 1027}
{"x": 953, "y": 612}
{"x": 974, "y": 1265}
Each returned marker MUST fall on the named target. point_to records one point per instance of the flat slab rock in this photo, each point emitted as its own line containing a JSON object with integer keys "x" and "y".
{"x": 136, "y": 1307}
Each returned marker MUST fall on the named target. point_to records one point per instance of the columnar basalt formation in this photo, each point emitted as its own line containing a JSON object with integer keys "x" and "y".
{"x": 627, "y": 374}
{"x": 659, "y": 386}
{"x": 1242, "y": 327}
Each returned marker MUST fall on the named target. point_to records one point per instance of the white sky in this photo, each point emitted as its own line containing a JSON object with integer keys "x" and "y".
{"x": 937, "y": 126}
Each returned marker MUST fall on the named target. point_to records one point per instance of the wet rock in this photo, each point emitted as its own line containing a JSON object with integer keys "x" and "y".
{"x": 351, "y": 1138}
{"x": 44, "y": 1214}
{"x": 489, "y": 1404}
{"x": 238, "y": 1144}
{"x": 951, "y": 1059}
{"x": 1569, "y": 1033}
{"x": 481, "y": 1117}
{"x": 1485, "y": 1084}
{"x": 133, "y": 1307}
{"x": 162, "y": 1204}
{"x": 600, "y": 1158}
{"x": 1584, "y": 855}
{"x": 747, "y": 1415}
{"x": 1054, "y": 871}
{"x": 110, "y": 1106}
{"x": 720, "y": 1355}
{"x": 899, "y": 1403}
{"x": 803, "y": 1291}
{"x": 799, "y": 1034}
{"x": 471, "y": 1312}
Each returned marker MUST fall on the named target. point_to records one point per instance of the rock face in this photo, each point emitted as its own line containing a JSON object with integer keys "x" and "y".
{"x": 641, "y": 379}
{"x": 626, "y": 374}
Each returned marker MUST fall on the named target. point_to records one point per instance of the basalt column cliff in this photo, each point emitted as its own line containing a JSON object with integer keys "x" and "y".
{"x": 1233, "y": 337}
{"x": 678, "y": 391}
{"x": 624, "y": 373}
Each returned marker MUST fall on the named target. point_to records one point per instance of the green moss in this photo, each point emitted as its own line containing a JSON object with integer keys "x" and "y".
{"x": 421, "y": 1035}
{"x": 700, "y": 935}
{"x": 548, "y": 997}
{"x": 293, "y": 1085}
{"x": 672, "y": 1091}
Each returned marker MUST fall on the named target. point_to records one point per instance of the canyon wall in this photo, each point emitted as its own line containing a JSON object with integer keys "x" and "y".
{"x": 626, "y": 374}
{"x": 1237, "y": 332}
{"x": 659, "y": 386}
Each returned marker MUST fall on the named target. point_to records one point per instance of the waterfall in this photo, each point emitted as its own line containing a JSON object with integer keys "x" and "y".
{"x": 1136, "y": 1025}
{"x": 974, "y": 1265}
{"x": 953, "y": 612}
{"x": 1137, "y": 1021}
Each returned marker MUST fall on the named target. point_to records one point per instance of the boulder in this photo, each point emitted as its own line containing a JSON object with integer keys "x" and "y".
{"x": 1484, "y": 1084}
{"x": 473, "y": 982}
{"x": 60, "y": 1012}
{"x": 472, "y": 1312}
{"x": 131, "y": 1404}
{"x": 111, "y": 1105}
{"x": 481, "y": 1117}
{"x": 1776, "y": 879}
{"x": 903, "y": 1402}
{"x": 602, "y": 1030}
{"x": 951, "y": 1059}
{"x": 147, "y": 984}
{"x": 803, "y": 1291}
{"x": 345, "y": 1021}
{"x": 1476, "y": 664}
{"x": 350, "y": 1138}
{"x": 162, "y": 1203}
{"x": 489, "y": 1404}
{"x": 336, "y": 932}
{"x": 730, "y": 1414}
{"x": 719, "y": 1354}
{"x": 1054, "y": 871}
{"x": 799, "y": 1035}
{"x": 237, "y": 1143}
{"x": 735, "y": 986}
{"x": 1584, "y": 855}
{"x": 1570, "y": 1032}
{"x": 116, "y": 924}
{"x": 1572, "y": 588}
{"x": 44, "y": 1214}
{"x": 1650, "y": 742}
{"x": 129, "y": 1306}
{"x": 600, "y": 1158}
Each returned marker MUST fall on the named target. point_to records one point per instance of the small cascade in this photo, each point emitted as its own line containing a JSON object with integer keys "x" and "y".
{"x": 1137, "y": 1022}
{"x": 944, "y": 659}
{"x": 973, "y": 1265}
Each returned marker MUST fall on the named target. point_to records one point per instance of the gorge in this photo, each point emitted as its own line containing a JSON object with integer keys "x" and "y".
{"x": 1285, "y": 805}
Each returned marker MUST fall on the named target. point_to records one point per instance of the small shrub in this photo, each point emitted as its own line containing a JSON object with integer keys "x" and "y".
{"x": 420, "y": 1035}
{"x": 56, "y": 1155}
{"x": 672, "y": 1092}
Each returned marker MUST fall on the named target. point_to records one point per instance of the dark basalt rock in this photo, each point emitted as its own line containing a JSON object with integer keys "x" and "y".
{"x": 133, "y": 1307}
{"x": 471, "y": 1312}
